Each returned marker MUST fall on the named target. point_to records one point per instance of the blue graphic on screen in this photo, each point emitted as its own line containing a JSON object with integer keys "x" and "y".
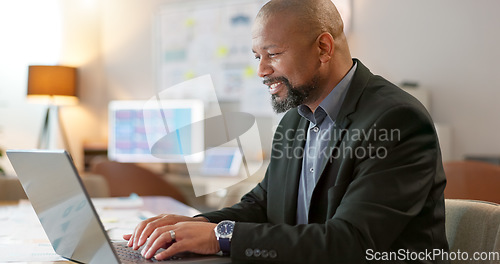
{"x": 130, "y": 131}
{"x": 219, "y": 161}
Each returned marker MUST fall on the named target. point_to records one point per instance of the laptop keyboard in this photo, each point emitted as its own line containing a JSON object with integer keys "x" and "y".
{"x": 128, "y": 254}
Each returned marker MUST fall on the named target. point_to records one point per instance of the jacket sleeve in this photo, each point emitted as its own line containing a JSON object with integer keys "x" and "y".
{"x": 383, "y": 195}
{"x": 251, "y": 208}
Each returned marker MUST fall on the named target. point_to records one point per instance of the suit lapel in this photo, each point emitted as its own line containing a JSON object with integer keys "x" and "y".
{"x": 294, "y": 167}
{"x": 358, "y": 83}
{"x": 336, "y": 137}
{"x": 293, "y": 171}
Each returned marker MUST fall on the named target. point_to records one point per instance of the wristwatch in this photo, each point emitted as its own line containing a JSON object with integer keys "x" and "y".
{"x": 224, "y": 233}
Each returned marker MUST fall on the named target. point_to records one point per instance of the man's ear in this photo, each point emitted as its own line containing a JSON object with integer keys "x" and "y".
{"x": 326, "y": 46}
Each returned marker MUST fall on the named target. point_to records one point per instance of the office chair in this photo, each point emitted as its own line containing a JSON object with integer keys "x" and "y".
{"x": 472, "y": 180}
{"x": 11, "y": 189}
{"x": 96, "y": 185}
{"x": 473, "y": 226}
{"x": 127, "y": 178}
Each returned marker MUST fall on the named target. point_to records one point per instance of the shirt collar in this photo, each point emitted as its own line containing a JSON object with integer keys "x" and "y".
{"x": 330, "y": 106}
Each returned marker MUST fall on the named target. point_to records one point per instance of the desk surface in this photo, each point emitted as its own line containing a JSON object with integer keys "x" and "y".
{"x": 8, "y": 203}
{"x": 21, "y": 228}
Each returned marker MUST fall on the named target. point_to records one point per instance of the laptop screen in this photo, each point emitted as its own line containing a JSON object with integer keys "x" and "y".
{"x": 62, "y": 205}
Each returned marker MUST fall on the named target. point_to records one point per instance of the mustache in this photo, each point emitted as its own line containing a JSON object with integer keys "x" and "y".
{"x": 282, "y": 79}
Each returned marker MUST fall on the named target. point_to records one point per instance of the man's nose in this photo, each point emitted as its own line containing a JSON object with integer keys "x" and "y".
{"x": 264, "y": 69}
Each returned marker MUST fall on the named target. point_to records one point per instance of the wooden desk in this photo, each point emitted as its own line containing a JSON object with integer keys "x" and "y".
{"x": 155, "y": 205}
{"x": 8, "y": 203}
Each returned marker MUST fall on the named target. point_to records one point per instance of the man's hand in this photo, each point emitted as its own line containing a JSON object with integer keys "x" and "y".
{"x": 196, "y": 237}
{"x": 146, "y": 227}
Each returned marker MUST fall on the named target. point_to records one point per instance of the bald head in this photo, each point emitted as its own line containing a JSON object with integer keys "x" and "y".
{"x": 312, "y": 16}
{"x": 302, "y": 51}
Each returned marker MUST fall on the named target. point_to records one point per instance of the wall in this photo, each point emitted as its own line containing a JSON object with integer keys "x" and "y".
{"x": 50, "y": 32}
{"x": 81, "y": 41}
{"x": 451, "y": 48}
{"x": 129, "y": 56}
{"x": 23, "y": 43}
{"x": 448, "y": 46}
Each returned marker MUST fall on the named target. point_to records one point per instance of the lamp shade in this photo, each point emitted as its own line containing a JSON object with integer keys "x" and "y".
{"x": 57, "y": 82}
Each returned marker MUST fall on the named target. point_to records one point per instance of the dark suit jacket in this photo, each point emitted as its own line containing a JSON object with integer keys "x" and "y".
{"x": 381, "y": 191}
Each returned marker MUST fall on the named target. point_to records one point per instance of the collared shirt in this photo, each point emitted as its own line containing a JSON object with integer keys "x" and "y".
{"x": 318, "y": 136}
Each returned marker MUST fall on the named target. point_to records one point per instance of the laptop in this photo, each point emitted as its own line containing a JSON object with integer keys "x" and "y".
{"x": 67, "y": 215}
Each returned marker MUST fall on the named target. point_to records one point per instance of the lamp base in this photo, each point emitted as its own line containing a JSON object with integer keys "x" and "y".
{"x": 52, "y": 122}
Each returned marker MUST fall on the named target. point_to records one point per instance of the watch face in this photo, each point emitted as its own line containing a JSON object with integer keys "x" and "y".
{"x": 225, "y": 229}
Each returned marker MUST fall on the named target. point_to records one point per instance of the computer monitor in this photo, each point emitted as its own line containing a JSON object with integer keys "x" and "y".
{"x": 156, "y": 131}
{"x": 222, "y": 161}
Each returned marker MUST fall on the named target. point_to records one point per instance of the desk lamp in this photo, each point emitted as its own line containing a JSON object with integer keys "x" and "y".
{"x": 57, "y": 84}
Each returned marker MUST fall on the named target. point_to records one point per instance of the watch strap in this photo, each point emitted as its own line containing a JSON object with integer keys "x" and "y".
{"x": 225, "y": 245}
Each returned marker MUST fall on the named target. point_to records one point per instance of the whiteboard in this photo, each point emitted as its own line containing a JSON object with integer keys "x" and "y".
{"x": 196, "y": 38}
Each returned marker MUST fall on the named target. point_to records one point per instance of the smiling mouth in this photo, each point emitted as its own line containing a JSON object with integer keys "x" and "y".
{"x": 274, "y": 88}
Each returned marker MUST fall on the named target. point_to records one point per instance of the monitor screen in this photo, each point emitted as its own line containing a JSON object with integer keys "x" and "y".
{"x": 222, "y": 161}
{"x": 156, "y": 131}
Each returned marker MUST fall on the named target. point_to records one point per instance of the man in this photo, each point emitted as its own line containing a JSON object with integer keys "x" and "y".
{"x": 355, "y": 170}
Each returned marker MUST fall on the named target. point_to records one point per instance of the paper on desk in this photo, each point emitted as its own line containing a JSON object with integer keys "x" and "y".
{"x": 133, "y": 201}
{"x": 28, "y": 252}
{"x": 120, "y": 215}
{"x": 22, "y": 237}
{"x": 5, "y": 214}
{"x": 169, "y": 205}
{"x": 118, "y": 222}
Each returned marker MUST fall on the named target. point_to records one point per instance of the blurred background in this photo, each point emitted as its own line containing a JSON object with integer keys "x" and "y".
{"x": 444, "y": 52}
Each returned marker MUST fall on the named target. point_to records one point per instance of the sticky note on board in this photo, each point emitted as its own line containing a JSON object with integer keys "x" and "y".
{"x": 190, "y": 22}
{"x": 249, "y": 72}
{"x": 221, "y": 52}
{"x": 189, "y": 75}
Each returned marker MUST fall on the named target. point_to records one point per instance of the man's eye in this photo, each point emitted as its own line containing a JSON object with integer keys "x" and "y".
{"x": 257, "y": 58}
{"x": 272, "y": 55}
